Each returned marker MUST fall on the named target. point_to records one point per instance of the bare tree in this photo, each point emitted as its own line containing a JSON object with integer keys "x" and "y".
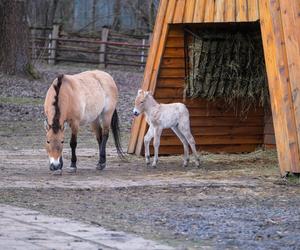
{"x": 14, "y": 35}
{"x": 117, "y": 12}
{"x": 145, "y": 12}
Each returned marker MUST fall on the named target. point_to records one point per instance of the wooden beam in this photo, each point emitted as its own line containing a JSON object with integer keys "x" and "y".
{"x": 253, "y": 10}
{"x": 200, "y": 11}
{"x": 159, "y": 23}
{"x": 280, "y": 95}
{"x": 219, "y": 10}
{"x": 150, "y": 84}
{"x": 290, "y": 15}
{"x": 189, "y": 11}
{"x": 179, "y": 11}
{"x": 209, "y": 11}
{"x": 230, "y": 10}
{"x": 242, "y": 11}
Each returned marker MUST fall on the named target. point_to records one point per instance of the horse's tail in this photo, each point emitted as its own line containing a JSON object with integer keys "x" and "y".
{"x": 116, "y": 133}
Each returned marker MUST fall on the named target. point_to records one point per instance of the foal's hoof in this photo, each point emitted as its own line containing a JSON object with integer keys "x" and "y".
{"x": 71, "y": 170}
{"x": 186, "y": 163}
{"x": 101, "y": 166}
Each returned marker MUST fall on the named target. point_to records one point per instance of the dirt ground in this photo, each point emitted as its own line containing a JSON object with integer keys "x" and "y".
{"x": 231, "y": 202}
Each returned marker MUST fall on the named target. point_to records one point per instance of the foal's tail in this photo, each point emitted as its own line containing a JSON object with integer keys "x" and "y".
{"x": 116, "y": 133}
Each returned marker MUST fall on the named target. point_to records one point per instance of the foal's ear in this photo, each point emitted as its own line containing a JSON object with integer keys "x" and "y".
{"x": 140, "y": 91}
{"x": 148, "y": 93}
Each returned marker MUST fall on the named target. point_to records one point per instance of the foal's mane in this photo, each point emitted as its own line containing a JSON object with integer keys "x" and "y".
{"x": 55, "y": 123}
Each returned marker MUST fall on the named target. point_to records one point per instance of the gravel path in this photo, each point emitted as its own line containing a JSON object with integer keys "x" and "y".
{"x": 232, "y": 202}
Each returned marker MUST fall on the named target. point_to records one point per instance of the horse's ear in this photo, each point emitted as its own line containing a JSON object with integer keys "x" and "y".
{"x": 140, "y": 91}
{"x": 46, "y": 125}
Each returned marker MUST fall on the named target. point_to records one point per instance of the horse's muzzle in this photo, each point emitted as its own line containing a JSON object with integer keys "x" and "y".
{"x": 136, "y": 112}
{"x": 54, "y": 167}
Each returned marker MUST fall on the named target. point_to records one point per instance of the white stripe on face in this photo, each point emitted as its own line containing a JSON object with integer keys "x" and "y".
{"x": 53, "y": 161}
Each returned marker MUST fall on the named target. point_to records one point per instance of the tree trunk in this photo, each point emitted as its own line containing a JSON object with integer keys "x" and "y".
{"x": 117, "y": 12}
{"x": 14, "y": 37}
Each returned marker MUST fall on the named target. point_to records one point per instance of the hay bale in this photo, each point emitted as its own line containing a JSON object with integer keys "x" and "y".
{"x": 228, "y": 65}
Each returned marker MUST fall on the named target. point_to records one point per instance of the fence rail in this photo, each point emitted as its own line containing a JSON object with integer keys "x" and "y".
{"x": 48, "y": 43}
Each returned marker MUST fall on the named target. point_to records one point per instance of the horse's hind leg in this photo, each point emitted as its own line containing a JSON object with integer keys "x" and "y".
{"x": 98, "y": 132}
{"x": 106, "y": 121}
{"x": 184, "y": 128}
{"x": 185, "y": 145}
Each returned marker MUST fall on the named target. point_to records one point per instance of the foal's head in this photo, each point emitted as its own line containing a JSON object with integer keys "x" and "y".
{"x": 139, "y": 105}
{"x": 54, "y": 145}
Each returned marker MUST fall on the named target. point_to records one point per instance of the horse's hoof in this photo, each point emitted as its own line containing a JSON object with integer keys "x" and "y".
{"x": 57, "y": 172}
{"x": 71, "y": 170}
{"x": 154, "y": 166}
{"x": 198, "y": 164}
{"x": 101, "y": 166}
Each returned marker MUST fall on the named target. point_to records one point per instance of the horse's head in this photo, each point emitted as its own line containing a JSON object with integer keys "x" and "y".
{"x": 54, "y": 145}
{"x": 139, "y": 105}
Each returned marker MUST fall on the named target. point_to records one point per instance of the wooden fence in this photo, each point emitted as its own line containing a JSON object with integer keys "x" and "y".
{"x": 111, "y": 48}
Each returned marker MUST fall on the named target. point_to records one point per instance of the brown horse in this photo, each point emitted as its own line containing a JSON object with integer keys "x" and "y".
{"x": 89, "y": 97}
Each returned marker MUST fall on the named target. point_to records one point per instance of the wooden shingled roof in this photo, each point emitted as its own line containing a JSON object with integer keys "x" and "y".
{"x": 280, "y": 27}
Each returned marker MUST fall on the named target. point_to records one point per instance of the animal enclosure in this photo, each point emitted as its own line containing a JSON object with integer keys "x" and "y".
{"x": 216, "y": 126}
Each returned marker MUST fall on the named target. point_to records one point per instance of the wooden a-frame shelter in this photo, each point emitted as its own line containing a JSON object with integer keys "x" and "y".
{"x": 279, "y": 22}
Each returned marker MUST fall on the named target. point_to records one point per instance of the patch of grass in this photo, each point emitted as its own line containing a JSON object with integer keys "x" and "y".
{"x": 293, "y": 179}
{"x": 21, "y": 100}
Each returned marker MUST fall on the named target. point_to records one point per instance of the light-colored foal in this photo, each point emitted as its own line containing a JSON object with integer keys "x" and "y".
{"x": 161, "y": 116}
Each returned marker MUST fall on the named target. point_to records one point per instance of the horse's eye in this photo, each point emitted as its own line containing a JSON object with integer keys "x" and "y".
{"x": 62, "y": 141}
{"x": 48, "y": 142}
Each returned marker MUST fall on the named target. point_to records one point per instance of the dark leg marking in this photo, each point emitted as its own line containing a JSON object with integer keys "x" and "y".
{"x": 102, "y": 152}
{"x": 73, "y": 145}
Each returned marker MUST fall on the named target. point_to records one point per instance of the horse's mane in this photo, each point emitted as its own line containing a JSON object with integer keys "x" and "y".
{"x": 55, "y": 123}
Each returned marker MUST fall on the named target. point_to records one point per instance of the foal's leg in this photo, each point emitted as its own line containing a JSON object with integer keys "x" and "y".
{"x": 73, "y": 145}
{"x": 147, "y": 139}
{"x": 185, "y": 145}
{"x": 106, "y": 121}
{"x": 156, "y": 142}
{"x": 184, "y": 128}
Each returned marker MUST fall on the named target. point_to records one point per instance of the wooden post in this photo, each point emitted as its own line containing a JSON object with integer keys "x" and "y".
{"x": 281, "y": 96}
{"x": 53, "y": 43}
{"x": 104, "y": 39}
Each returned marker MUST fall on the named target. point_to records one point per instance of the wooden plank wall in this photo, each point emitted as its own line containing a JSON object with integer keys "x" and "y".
{"x": 215, "y": 127}
{"x": 269, "y": 133}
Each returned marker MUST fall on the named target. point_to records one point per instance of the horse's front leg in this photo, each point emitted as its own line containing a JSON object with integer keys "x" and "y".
{"x": 73, "y": 145}
{"x": 147, "y": 139}
{"x": 156, "y": 143}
